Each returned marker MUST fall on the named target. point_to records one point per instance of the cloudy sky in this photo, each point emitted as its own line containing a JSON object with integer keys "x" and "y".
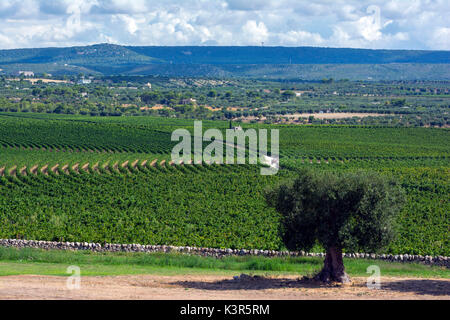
{"x": 390, "y": 24}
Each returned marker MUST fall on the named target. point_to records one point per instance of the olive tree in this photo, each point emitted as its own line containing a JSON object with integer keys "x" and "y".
{"x": 339, "y": 211}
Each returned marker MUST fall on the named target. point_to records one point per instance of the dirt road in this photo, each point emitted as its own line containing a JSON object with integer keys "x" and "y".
{"x": 215, "y": 287}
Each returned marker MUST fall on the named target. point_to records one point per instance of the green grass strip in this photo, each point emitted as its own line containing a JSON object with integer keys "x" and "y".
{"x": 40, "y": 262}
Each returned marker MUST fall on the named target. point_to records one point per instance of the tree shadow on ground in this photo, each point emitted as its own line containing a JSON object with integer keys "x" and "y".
{"x": 251, "y": 283}
{"x": 419, "y": 286}
{"x": 416, "y": 286}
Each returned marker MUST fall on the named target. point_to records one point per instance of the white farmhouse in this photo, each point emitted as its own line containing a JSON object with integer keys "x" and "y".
{"x": 26, "y": 73}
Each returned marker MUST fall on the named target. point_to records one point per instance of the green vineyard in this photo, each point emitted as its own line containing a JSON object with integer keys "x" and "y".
{"x": 73, "y": 178}
{"x": 79, "y": 136}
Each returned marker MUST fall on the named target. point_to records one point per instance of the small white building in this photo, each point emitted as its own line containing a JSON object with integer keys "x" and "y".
{"x": 26, "y": 73}
{"x": 84, "y": 81}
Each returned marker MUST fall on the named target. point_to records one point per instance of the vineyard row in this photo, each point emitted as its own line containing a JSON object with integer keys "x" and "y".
{"x": 77, "y": 168}
{"x": 131, "y": 167}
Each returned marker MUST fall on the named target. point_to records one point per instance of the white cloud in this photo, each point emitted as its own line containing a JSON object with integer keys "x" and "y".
{"x": 120, "y": 6}
{"x": 348, "y": 12}
{"x": 255, "y": 32}
{"x": 7, "y": 43}
{"x": 369, "y": 27}
{"x": 440, "y": 38}
{"x": 416, "y": 24}
{"x": 131, "y": 24}
{"x": 301, "y": 38}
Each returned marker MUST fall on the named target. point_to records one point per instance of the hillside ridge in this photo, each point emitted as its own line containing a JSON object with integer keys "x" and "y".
{"x": 241, "y": 62}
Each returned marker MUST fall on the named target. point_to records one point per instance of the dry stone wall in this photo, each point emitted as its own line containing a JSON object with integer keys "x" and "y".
{"x": 211, "y": 252}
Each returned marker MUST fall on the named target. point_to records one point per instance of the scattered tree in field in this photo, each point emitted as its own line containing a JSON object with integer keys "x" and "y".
{"x": 325, "y": 80}
{"x": 288, "y": 94}
{"x": 346, "y": 211}
{"x": 150, "y": 97}
{"x": 212, "y": 94}
{"x": 398, "y": 102}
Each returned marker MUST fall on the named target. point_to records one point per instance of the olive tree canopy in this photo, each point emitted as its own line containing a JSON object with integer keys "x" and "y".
{"x": 352, "y": 211}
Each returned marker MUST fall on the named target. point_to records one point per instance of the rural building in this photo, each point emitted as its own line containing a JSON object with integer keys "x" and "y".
{"x": 26, "y": 73}
{"x": 300, "y": 93}
{"x": 84, "y": 81}
{"x": 188, "y": 101}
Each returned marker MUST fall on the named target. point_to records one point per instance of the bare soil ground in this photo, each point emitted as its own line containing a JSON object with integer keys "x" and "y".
{"x": 213, "y": 287}
{"x": 321, "y": 116}
{"x": 34, "y": 80}
{"x": 337, "y": 115}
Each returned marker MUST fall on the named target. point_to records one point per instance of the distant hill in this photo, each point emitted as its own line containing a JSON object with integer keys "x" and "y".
{"x": 272, "y": 62}
{"x": 288, "y": 55}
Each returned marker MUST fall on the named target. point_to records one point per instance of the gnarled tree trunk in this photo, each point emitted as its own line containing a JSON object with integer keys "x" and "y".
{"x": 333, "y": 267}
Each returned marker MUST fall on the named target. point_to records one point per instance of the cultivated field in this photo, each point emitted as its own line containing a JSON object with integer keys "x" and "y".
{"x": 71, "y": 178}
{"x": 109, "y": 179}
